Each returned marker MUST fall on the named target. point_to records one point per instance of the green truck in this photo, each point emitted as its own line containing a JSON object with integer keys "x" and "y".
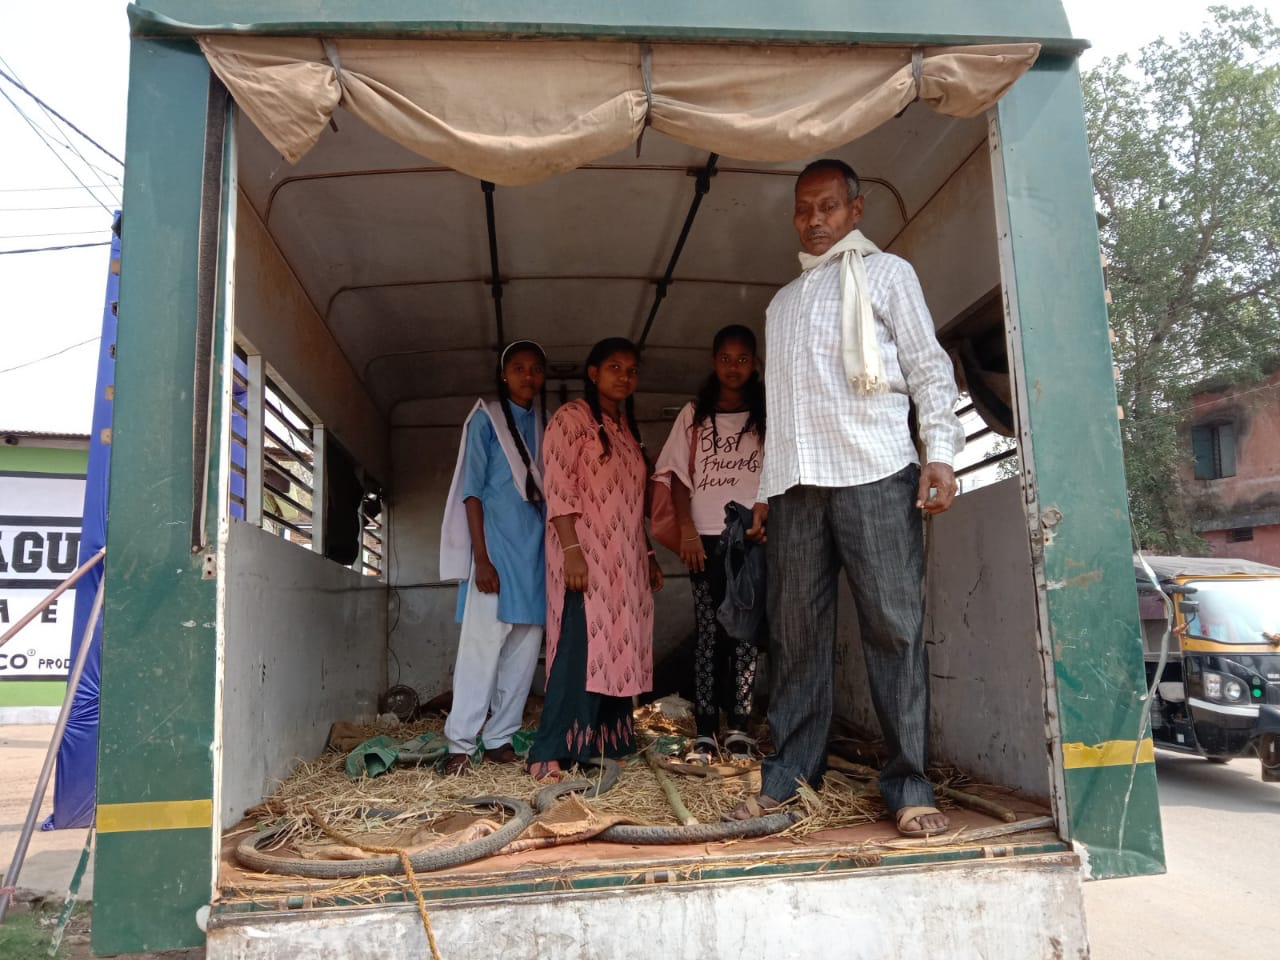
{"x": 337, "y": 210}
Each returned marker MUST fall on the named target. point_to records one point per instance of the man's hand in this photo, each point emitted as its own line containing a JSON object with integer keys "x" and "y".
{"x": 486, "y": 576}
{"x": 942, "y": 480}
{"x": 759, "y": 514}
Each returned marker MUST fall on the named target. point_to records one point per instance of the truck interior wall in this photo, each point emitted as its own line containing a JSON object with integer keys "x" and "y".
{"x": 952, "y": 240}
{"x": 987, "y": 681}
{"x": 304, "y": 638}
{"x": 423, "y": 634}
{"x": 275, "y": 318}
{"x": 987, "y": 671}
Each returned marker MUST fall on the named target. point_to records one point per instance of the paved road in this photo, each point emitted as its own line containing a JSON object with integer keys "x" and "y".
{"x": 1218, "y": 900}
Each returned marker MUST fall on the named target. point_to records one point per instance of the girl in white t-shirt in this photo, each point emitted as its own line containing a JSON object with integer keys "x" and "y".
{"x": 713, "y": 457}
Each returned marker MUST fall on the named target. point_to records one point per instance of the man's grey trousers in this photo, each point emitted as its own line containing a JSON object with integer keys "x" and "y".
{"x": 874, "y": 533}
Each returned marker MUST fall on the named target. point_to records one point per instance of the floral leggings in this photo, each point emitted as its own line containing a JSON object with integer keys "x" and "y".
{"x": 724, "y": 668}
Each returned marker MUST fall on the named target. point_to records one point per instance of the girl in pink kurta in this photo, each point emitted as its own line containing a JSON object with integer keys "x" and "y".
{"x": 601, "y": 572}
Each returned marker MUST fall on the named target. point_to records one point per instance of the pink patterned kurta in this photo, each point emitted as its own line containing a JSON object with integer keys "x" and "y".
{"x": 608, "y": 497}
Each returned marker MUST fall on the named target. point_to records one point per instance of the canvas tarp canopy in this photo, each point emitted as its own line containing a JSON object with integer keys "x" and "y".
{"x": 521, "y": 111}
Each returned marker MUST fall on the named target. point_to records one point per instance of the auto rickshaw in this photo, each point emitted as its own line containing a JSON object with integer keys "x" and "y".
{"x": 1218, "y": 694}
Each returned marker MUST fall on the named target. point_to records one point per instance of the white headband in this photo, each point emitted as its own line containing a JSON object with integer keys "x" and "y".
{"x": 522, "y": 345}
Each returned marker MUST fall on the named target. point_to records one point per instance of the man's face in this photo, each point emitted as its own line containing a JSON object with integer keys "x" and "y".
{"x": 824, "y": 213}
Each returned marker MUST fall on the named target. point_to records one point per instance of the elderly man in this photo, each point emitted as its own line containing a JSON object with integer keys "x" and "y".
{"x": 850, "y": 346}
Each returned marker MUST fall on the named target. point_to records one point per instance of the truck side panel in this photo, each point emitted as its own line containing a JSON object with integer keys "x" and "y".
{"x": 942, "y": 21}
{"x": 155, "y": 769}
{"x": 1071, "y": 450}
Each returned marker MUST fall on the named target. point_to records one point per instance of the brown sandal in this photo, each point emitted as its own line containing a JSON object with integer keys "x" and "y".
{"x": 753, "y": 807}
{"x": 908, "y": 814}
{"x": 456, "y": 764}
{"x": 503, "y": 754}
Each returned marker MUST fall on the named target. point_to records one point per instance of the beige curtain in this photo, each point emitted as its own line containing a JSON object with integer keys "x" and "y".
{"x": 518, "y": 112}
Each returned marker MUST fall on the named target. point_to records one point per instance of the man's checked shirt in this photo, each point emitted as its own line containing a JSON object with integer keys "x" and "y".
{"x": 820, "y": 432}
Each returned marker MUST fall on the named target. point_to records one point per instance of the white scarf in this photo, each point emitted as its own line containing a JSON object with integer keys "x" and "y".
{"x": 455, "y": 534}
{"x": 862, "y": 362}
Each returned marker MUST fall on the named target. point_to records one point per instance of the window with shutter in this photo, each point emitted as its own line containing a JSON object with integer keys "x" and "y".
{"x": 1225, "y": 441}
{"x": 1214, "y": 448}
{"x": 1202, "y": 449}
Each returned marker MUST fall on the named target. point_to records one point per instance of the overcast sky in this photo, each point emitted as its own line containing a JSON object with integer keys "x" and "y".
{"x": 79, "y": 65}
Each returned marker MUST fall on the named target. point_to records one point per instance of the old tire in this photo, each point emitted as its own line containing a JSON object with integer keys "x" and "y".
{"x": 662, "y": 835}
{"x": 249, "y": 854}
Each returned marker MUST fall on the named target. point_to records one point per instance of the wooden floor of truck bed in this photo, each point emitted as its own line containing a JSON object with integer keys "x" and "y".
{"x": 596, "y": 864}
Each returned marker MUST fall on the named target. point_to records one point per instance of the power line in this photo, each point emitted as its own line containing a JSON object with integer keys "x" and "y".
{"x": 38, "y": 189}
{"x": 62, "y": 139}
{"x": 1193, "y": 377}
{"x": 50, "y": 109}
{"x": 1140, "y": 422}
{"x": 80, "y": 206}
{"x": 56, "y": 233}
{"x": 65, "y": 246}
{"x": 36, "y": 130}
{"x": 50, "y": 356}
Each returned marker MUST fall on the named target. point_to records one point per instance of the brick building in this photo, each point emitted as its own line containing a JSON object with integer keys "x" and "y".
{"x": 1234, "y": 479}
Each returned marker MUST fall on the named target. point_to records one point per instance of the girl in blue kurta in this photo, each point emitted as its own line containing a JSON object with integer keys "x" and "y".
{"x": 492, "y": 540}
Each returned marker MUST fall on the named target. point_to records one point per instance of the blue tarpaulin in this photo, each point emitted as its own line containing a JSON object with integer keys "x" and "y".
{"x": 73, "y": 793}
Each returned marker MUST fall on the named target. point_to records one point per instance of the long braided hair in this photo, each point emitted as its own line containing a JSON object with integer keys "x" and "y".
{"x": 708, "y": 395}
{"x": 591, "y": 393}
{"x": 531, "y": 491}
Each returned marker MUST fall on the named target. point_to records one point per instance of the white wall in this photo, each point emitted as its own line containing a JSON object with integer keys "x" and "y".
{"x": 951, "y": 242}
{"x": 423, "y": 637}
{"x": 274, "y": 318}
{"x": 987, "y": 688}
{"x": 304, "y": 637}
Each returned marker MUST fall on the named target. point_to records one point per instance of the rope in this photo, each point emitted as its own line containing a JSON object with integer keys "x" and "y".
{"x": 404, "y": 861}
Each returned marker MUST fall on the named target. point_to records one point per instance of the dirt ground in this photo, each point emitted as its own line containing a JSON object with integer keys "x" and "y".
{"x": 50, "y": 863}
{"x": 51, "y": 857}
{"x": 29, "y": 926}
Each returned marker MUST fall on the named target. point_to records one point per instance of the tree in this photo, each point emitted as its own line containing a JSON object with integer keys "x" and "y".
{"x": 1186, "y": 158}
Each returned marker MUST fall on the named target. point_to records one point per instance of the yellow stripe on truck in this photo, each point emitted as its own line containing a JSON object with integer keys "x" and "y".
{"x": 157, "y": 815}
{"x": 1111, "y": 753}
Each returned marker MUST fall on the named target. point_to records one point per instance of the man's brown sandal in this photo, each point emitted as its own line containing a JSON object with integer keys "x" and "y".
{"x": 752, "y": 807}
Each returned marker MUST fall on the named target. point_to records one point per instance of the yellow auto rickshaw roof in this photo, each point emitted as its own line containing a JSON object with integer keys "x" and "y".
{"x": 1171, "y": 568}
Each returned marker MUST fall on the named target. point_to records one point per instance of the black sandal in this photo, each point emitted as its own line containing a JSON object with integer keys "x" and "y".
{"x": 740, "y": 746}
{"x": 702, "y": 752}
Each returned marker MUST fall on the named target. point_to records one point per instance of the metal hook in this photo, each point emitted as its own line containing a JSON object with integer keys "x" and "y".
{"x": 646, "y": 74}
{"x": 331, "y": 51}
{"x": 917, "y": 69}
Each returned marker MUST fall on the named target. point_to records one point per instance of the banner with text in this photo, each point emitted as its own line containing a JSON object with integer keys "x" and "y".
{"x": 39, "y": 542}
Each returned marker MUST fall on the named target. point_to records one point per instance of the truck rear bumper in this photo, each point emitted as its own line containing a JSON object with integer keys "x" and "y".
{"x": 1029, "y": 906}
